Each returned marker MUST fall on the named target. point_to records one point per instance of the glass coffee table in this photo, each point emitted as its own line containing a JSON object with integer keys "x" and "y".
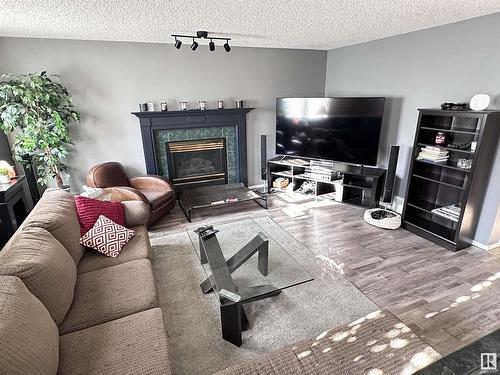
{"x": 243, "y": 264}
{"x": 219, "y": 195}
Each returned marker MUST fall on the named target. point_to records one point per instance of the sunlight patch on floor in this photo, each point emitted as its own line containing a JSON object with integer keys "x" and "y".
{"x": 465, "y": 298}
{"x": 300, "y": 210}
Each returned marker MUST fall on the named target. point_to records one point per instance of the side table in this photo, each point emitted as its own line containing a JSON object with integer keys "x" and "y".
{"x": 13, "y": 207}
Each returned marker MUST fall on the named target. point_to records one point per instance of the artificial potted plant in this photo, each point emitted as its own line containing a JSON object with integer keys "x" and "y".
{"x": 4, "y": 175}
{"x": 38, "y": 111}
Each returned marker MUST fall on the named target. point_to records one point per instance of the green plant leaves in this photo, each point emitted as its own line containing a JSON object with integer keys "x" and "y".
{"x": 38, "y": 110}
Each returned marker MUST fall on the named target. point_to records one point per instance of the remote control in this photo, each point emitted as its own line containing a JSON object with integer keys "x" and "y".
{"x": 206, "y": 231}
{"x": 229, "y": 295}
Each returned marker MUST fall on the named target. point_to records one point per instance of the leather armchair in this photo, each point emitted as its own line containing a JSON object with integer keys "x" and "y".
{"x": 157, "y": 192}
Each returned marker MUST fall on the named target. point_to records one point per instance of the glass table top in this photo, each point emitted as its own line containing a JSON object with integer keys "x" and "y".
{"x": 283, "y": 270}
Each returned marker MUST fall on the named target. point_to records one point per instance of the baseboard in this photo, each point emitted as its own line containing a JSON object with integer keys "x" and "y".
{"x": 485, "y": 247}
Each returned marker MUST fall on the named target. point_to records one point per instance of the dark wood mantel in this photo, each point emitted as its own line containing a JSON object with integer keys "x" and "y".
{"x": 194, "y": 118}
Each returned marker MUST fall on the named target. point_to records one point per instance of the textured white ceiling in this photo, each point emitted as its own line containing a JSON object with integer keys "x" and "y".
{"x": 308, "y": 24}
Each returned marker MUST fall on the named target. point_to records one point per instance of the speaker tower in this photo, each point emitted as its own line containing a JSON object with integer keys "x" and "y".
{"x": 263, "y": 157}
{"x": 391, "y": 175}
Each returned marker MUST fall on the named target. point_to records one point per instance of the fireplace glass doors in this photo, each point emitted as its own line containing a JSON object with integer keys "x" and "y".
{"x": 197, "y": 163}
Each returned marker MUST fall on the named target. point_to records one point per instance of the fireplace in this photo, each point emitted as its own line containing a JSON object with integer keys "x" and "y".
{"x": 188, "y": 133}
{"x": 195, "y": 163}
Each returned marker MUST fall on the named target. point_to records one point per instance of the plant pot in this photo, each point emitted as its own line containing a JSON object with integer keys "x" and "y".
{"x": 4, "y": 179}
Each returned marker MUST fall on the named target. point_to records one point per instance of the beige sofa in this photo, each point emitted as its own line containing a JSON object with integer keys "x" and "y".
{"x": 68, "y": 310}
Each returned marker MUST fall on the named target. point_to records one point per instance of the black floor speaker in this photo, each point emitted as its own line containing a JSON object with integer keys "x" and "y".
{"x": 390, "y": 175}
{"x": 263, "y": 157}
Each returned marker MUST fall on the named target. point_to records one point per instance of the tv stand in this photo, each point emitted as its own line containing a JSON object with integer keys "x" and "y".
{"x": 347, "y": 183}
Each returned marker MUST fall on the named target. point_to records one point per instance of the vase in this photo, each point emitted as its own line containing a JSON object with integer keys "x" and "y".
{"x": 4, "y": 179}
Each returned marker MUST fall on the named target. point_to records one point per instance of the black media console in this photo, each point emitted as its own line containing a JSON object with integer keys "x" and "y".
{"x": 360, "y": 185}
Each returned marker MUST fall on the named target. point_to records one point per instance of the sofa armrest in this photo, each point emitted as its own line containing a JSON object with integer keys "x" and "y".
{"x": 151, "y": 182}
{"x": 136, "y": 213}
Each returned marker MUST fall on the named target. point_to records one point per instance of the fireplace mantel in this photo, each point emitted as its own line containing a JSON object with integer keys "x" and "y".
{"x": 152, "y": 122}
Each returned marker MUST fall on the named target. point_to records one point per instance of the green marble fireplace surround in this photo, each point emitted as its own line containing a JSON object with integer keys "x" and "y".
{"x": 158, "y": 128}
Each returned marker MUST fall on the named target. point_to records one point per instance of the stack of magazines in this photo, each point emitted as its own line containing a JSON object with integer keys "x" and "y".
{"x": 451, "y": 212}
{"x": 433, "y": 154}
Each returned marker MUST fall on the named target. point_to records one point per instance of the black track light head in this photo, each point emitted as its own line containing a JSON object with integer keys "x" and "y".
{"x": 177, "y": 43}
{"x": 194, "y": 45}
{"x": 211, "y": 45}
{"x": 226, "y": 46}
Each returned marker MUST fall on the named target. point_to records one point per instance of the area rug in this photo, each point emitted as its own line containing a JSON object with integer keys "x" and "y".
{"x": 192, "y": 319}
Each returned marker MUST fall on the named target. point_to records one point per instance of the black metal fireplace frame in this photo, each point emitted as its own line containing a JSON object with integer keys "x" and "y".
{"x": 201, "y": 180}
{"x": 153, "y": 121}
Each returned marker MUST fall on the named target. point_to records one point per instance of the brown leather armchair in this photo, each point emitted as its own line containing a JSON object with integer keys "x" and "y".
{"x": 157, "y": 192}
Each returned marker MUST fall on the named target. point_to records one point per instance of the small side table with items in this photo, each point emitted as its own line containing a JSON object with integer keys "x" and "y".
{"x": 14, "y": 207}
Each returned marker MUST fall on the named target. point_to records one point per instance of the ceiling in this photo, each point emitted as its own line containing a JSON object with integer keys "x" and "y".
{"x": 307, "y": 24}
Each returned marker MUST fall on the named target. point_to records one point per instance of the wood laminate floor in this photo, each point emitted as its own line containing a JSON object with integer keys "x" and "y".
{"x": 449, "y": 299}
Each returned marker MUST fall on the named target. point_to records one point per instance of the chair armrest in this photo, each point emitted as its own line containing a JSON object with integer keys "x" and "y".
{"x": 151, "y": 182}
{"x": 136, "y": 213}
{"x": 125, "y": 193}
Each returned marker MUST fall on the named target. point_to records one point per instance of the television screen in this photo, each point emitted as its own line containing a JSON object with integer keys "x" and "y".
{"x": 339, "y": 129}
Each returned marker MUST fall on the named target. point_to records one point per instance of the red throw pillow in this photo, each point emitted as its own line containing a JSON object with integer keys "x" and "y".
{"x": 89, "y": 210}
{"x": 107, "y": 237}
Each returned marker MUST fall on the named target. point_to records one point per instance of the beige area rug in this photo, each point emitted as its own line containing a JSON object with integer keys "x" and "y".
{"x": 192, "y": 319}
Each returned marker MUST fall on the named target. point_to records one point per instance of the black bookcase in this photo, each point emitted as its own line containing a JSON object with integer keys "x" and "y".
{"x": 431, "y": 185}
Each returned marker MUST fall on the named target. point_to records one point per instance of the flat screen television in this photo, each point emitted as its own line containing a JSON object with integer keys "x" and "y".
{"x": 339, "y": 129}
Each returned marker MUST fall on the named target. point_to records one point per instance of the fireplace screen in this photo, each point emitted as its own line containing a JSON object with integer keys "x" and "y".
{"x": 197, "y": 162}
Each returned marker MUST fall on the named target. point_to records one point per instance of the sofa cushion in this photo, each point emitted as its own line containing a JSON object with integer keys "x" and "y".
{"x": 56, "y": 212}
{"x": 29, "y": 340}
{"x": 89, "y": 210}
{"x": 107, "y": 237}
{"x": 45, "y": 267}
{"x": 111, "y": 293}
{"x": 137, "y": 248}
{"x": 135, "y": 344}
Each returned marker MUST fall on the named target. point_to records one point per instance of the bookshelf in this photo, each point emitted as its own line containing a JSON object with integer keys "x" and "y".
{"x": 444, "y": 199}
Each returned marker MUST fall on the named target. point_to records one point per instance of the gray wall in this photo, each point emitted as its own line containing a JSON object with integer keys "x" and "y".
{"x": 424, "y": 69}
{"x": 109, "y": 79}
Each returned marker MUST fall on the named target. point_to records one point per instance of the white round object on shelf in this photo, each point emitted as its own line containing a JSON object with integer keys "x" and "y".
{"x": 382, "y": 218}
{"x": 479, "y": 102}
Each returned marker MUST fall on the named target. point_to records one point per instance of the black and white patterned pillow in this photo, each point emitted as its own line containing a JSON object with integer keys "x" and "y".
{"x": 107, "y": 237}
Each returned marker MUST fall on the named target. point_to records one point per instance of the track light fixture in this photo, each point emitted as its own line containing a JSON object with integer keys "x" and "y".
{"x": 177, "y": 43}
{"x": 194, "y": 45}
{"x": 201, "y": 35}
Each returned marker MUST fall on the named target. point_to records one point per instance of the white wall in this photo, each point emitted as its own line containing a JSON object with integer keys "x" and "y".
{"x": 423, "y": 69}
{"x": 108, "y": 80}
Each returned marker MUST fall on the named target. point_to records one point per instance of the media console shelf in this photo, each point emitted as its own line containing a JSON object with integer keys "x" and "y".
{"x": 443, "y": 199}
{"x": 353, "y": 184}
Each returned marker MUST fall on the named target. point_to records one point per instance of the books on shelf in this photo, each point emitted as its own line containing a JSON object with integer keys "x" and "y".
{"x": 433, "y": 154}
{"x": 451, "y": 212}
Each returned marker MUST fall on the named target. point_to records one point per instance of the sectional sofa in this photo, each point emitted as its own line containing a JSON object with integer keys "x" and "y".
{"x": 68, "y": 310}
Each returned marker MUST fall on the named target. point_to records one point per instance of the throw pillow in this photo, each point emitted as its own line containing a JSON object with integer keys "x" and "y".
{"x": 107, "y": 237}
{"x": 88, "y": 211}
